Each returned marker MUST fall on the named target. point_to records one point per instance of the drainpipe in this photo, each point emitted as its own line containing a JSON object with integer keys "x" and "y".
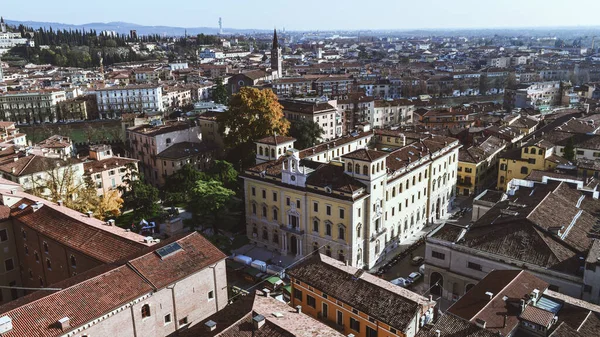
{"x": 214, "y": 268}
{"x": 176, "y": 321}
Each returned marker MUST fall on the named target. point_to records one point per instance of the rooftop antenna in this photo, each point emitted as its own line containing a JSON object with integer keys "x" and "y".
{"x": 220, "y": 26}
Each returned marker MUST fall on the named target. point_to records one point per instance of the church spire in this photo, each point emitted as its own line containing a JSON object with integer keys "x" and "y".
{"x": 1, "y": 19}
{"x": 275, "y": 41}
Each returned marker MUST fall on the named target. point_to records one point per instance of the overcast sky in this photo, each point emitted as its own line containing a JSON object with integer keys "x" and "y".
{"x": 313, "y": 14}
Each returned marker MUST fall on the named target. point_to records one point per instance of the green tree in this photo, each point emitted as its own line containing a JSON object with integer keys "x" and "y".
{"x": 142, "y": 198}
{"x": 210, "y": 201}
{"x": 306, "y": 132}
{"x": 220, "y": 92}
{"x": 179, "y": 185}
{"x": 569, "y": 150}
{"x": 223, "y": 172}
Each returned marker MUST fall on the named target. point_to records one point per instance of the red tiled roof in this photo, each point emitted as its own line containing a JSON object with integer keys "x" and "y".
{"x": 365, "y": 154}
{"x": 111, "y": 163}
{"x": 197, "y": 253}
{"x": 81, "y": 303}
{"x": 275, "y": 140}
{"x": 99, "y": 244}
{"x": 537, "y": 315}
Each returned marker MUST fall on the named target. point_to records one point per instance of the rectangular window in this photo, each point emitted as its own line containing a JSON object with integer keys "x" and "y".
{"x": 264, "y": 194}
{"x": 253, "y": 191}
{"x": 298, "y": 294}
{"x": 3, "y": 235}
{"x": 359, "y": 212}
{"x": 340, "y": 318}
{"x": 287, "y": 201}
{"x": 297, "y": 203}
{"x": 310, "y": 301}
{"x": 371, "y": 332}
{"x": 167, "y": 319}
{"x": 274, "y": 196}
{"x": 328, "y": 209}
{"x": 183, "y": 321}
{"x": 474, "y": 266}
{"x": 325, "y": 310}
{"x": 438, "y": 255}
{"x": 354, "y": 324}
{"x": 341, "y": 213}
{"x": 315, "y": 206}
{"x": 9, "y": 264}
{"x": 211, "y": 295}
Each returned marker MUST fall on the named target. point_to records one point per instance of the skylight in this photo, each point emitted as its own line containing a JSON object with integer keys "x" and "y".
{"x": 168, "y": 250}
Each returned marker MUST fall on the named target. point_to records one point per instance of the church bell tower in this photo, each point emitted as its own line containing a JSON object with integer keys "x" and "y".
{"x": 276, "y": 58}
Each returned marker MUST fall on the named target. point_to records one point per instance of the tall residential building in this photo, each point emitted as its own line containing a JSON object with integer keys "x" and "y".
{"x": 276, "y": 56}
{"x": 113, "y": 101}
{"x": 31, "y": 106}
{"x": 323, "y": 113}
{"x": 344, "y": 197}
{"x": 163, "y": 149}
{"x": 107, "y": 171}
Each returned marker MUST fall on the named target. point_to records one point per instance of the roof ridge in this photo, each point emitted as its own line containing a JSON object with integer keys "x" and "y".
{"x": 54, "y": 292}
{"x": 499, "y": 292}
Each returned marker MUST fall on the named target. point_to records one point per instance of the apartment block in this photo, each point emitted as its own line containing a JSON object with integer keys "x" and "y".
{"x": 345, "y": 198}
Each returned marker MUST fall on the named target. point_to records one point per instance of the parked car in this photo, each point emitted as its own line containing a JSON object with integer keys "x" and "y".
{"x": 401, "y": 281}
{"x": 417, "y": 260}
{"x": 414, "y": 277}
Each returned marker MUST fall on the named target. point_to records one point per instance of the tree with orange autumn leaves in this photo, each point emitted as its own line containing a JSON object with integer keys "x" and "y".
{"x": 252, "y": 115}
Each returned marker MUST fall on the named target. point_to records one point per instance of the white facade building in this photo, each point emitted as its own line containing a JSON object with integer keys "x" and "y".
{"x": 113, "y": 101}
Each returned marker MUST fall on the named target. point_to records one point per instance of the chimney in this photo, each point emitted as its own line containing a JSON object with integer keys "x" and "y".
{"x": 266, "y": 292}
{"x": 64, "y": 323}
{"x": 522, "y": 305}
{"x": 60, "y": 203}
{"x": 504, "y": 325}
{"x": 258, "y": 321}
{"x": 13, "y": 170}
{"x": 430, "y": 298}
{"x": 89, "y": 214}
{"x": 438, "y": 333}
{"x": 111, "y": 222}
{"x": 210, "y": 325}
{"x": 480, "y": 323}
{"x": 490, "y": 294}
{"x": 299, "y": 309}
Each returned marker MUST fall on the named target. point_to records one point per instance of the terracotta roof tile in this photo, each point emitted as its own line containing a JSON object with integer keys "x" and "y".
{"x": 378, "y": 298}
{"x": 365, "y": 155}
{"x": 197, "y": 253}
{"x": 96, "y": 296}
{"x": 536, "y": 315}
{"x": 90, "y": 240}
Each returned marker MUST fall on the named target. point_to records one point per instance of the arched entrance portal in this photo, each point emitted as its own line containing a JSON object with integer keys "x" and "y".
{"x": 294, "y": 245}
{"x": 436, "y": 282}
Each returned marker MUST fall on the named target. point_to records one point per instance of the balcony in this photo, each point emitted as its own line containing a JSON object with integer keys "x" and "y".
{"x": 288, "y": 228}
{"x": 377, "y": 234}
{"x": 466, "y": 183}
